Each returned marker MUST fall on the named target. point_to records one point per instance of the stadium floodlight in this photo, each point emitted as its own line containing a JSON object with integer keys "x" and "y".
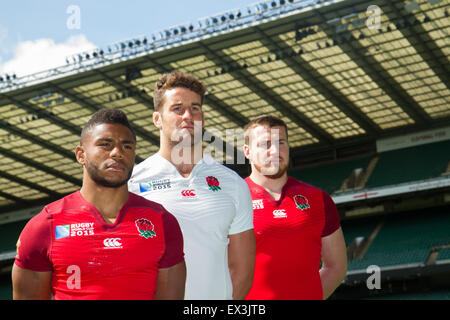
{"x": 132, "y": 74}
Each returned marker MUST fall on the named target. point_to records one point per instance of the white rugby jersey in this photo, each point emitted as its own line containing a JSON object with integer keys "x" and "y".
{"x": 212, "y": 203}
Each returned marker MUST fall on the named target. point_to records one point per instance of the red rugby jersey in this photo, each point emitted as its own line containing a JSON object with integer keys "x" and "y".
{"x": 289, "y": 240}
{"x": 91, "y": 259}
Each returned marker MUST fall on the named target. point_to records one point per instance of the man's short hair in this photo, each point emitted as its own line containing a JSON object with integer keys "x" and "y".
{"x": 107, "y": 115}
{"x": 265, "y": 121}
{"x": 176, "y": 79}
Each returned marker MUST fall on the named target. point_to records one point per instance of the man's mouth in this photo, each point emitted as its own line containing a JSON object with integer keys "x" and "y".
{"x": 115, "y": 167}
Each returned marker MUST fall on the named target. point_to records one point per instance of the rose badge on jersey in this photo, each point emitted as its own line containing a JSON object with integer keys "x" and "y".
{"x": 213, "y": 183}
{"x": 301, "y": 202}
{"x": 145, "y": 228}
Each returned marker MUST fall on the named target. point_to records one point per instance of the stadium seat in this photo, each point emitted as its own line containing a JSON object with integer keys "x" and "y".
{"x": 444, "y": 254}
{"x": 331, "y": 176}
{"x": 404, "y": 238}
{"x": 410, "y": 164}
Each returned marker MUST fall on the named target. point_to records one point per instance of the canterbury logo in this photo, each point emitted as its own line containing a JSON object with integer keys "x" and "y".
{"x": 112, "y": 243}
{"x": 188, "y": 193}
{"x": 279, "y": 213}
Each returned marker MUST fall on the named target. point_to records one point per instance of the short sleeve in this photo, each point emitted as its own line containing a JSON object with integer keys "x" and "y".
{"x": 33, "y": 246}
{"x": 243, "y": 219}
{"x": 332, "y": 222}
{"x": 174, "y": 241}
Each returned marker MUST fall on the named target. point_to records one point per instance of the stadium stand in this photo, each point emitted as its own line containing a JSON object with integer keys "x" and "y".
{"x": 404, "y": 239}
{"x": 9, "y": 233}
{"x": 417, "y": 163}
{"x": 332, "y": 176}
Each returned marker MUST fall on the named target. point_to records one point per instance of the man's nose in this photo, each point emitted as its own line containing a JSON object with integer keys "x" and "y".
{"x": 187, "y": 113}
{"x": 116, "y": 152}
{"x": 274, "y": 148}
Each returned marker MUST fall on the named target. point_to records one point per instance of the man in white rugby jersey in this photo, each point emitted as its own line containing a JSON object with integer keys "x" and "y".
{"x": 210, "y": 201}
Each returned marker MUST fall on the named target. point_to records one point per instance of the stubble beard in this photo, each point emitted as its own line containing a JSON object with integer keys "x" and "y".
{"x": 281, "y": 171}
{"x": 95, "y": 175}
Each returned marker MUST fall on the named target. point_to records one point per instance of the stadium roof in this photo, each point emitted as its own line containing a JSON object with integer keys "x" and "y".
{"x": 342, "y": 74}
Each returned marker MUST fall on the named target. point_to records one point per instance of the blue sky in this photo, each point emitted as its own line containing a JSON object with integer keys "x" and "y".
{"x": 34, "y": 34}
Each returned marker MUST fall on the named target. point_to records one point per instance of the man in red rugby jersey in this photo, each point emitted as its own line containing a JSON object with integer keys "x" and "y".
{"x": 101, "y": 242}
{"x": 296, "y": 225}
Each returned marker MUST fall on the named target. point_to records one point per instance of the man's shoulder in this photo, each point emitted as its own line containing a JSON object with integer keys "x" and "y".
{"x": 294, "y": 183}
{"x": 73, "y": 200}
{"x": 212, "y": 166}
{"x": 48, "y": 212}
{"x": 136, "y": 200}
{"x": 145, "y": 165}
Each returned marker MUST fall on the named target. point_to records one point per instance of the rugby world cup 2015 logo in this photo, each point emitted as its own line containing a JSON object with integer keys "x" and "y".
{"x": 145, "y": 228}
{"x": 213, "y": 183}
{"x": 301, "y": 202}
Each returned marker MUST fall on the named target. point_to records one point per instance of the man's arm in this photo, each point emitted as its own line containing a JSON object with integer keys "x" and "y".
{"x": 241, "y": 262}
{"x": 31, "y": 285}
{"x": 171, "y": 282}
{"x": 334, "y": 262}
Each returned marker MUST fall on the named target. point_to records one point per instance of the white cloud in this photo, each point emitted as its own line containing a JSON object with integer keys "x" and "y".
{"x": 43, "y": 54}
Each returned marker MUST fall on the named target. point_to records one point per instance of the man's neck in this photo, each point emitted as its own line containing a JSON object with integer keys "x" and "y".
{"x": 183, "y": 159}
{"x": 108, "y": 201}
{"x": 273, "y": 186}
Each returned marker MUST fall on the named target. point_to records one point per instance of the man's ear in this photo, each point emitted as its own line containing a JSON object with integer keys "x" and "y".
{"x": 157, "y": 119}
{"x": 246, "y": 151}
{"x": 80, "y": 155}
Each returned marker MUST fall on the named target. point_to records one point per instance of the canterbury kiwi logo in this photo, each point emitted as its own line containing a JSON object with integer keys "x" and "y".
{"x": 112, "y": 243}
{"x": 188, "y": 193}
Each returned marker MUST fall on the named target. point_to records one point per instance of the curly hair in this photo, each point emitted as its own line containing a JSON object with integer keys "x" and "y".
{"x": 176, "y": 79}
